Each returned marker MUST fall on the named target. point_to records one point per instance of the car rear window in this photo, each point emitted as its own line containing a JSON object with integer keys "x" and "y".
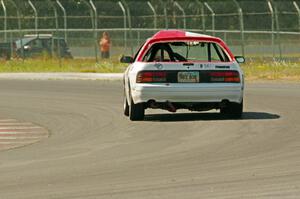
{"x": 186, "y": 51}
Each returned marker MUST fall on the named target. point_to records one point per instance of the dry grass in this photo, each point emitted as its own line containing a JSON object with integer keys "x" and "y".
{"x": 257, "y": 70}
{"x": 63, "y": 65}
{"x": 272, "y": 71}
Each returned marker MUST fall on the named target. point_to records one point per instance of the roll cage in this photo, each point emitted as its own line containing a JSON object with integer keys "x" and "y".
{"x": 163, "y": 52}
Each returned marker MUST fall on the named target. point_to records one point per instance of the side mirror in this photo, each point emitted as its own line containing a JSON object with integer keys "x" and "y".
{"x": 126, "y": 59}
{"x": 240, "y": 59}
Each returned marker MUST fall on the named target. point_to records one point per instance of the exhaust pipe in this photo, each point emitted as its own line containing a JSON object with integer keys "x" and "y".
{"x": 171, "y": 107}
{"x": 152, "y": 104}
{"x": 166, "y": 106}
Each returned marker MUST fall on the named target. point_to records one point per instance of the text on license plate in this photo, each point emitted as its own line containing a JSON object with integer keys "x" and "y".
{"x": 188, "y": 77}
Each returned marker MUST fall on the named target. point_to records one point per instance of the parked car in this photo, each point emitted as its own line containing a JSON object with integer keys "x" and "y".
{"x": 36, "y": 45}
{"x": 183, "y": 70}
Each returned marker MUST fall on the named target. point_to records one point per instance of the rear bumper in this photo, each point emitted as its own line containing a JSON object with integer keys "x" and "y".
{"x": 210, "y": 92}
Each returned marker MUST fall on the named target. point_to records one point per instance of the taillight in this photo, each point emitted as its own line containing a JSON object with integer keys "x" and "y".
{"x": 225, "y": 76}
{"x": 151, "y": 77}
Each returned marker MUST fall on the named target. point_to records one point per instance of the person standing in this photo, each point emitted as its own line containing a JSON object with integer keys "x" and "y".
{"x": 104, "y": 44}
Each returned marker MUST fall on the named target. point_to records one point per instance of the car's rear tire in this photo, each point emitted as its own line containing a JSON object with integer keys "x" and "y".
{"x": 125, "y": 106}
{"x": 136, "y": 111}
{"x": 233, "y": 110}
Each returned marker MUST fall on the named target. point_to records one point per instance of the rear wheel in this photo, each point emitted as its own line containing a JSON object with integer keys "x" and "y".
{"x": 125, "y": 106}
{"x": 233, "y": 110}
{"x": 136, "y": 111}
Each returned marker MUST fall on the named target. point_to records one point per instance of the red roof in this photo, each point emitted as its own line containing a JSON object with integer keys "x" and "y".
{"x": 168, "y": 33}
{"x": 173, "y": 34}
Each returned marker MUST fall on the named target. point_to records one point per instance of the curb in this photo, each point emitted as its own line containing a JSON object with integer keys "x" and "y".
{"x": 61, "y": 76}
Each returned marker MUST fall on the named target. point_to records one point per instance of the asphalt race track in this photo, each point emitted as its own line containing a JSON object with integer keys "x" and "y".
{"x": 93, "y": 151}
{"x": 14, "y": 134}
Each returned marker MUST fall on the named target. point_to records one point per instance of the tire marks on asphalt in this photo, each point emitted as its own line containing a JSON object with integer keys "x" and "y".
{"x": 15, "y": 134}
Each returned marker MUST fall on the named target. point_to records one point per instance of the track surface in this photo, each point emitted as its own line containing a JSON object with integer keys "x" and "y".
{"x": 95, "y": 152}
{"x": 15, "y": 134}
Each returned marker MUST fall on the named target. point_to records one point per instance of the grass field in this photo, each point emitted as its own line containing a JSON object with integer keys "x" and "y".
{"x": 258, "y": 70}
{"x": 63, "y": 65}
{"x": 272, "y": 71}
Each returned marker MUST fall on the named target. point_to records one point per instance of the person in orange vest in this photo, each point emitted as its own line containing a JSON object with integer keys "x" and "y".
{"x": 104, "y": 44}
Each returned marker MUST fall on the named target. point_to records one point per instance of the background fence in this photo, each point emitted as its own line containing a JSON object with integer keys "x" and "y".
{"x": 256, "y": 29}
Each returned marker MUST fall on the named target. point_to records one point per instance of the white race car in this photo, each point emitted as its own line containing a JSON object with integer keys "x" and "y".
{"x": 183, "y": 70}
